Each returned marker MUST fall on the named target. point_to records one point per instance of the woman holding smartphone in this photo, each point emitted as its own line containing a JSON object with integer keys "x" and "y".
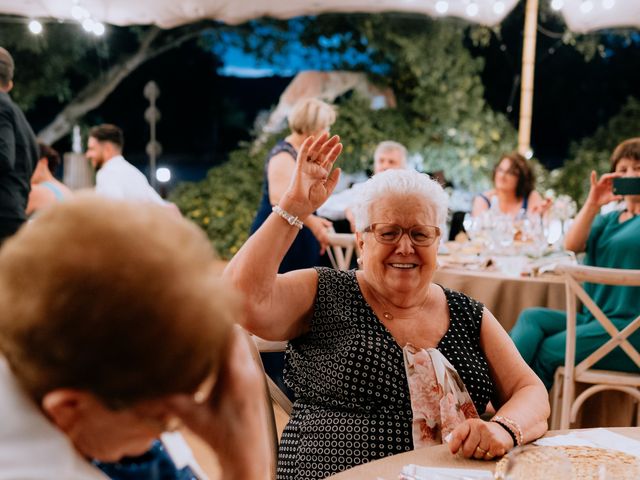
{"x": 609, "y": 240}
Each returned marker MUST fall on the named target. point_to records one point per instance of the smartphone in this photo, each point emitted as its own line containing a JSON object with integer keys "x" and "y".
{"x": 626, "y": 186}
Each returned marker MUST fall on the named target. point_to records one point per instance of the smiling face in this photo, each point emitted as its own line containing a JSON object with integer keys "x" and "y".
{"x": 400, "y": 269}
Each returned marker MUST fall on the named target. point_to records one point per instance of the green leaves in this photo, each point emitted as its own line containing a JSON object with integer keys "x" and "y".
{"x": 593, "y": 153}
{"x": 441, "y": 116}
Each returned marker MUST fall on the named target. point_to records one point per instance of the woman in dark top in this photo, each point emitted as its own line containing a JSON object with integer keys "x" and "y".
{"x": 347, "y": 329}
{"x": 308, "y": 117}
{"x": 514, "y": 188}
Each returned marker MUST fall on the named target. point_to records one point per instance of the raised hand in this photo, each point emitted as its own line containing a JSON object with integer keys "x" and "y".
{"x": 601, "y": 191}
{"x": 313, "y": 180}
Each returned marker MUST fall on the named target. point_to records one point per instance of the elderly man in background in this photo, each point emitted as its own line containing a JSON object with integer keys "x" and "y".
{"x": 115, "y": 177}
{"x": 114, "y": 328}
{"x": 387, "y": 156}
{"x": 18, "y": 154}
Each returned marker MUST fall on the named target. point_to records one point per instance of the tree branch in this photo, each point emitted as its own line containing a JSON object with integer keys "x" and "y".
{"x": 96, "y": 91}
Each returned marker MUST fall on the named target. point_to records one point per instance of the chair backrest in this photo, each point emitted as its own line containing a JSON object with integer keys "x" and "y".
{"x": 277, "y": 395}
{"x": 341, "y": 248}
{"x": 273, "y": 434}
{"x": 573, "y": 276}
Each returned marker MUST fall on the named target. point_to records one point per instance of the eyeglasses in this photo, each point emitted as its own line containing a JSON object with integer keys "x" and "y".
{"x": 390, "y": 233}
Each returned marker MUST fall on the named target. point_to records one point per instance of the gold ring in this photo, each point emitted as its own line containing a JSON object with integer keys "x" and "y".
{"x": 481, "y": 450}
{"x": 489, "y": 455}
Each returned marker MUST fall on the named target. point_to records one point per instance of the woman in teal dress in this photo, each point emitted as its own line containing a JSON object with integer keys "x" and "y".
{"x": 612, "y": 241}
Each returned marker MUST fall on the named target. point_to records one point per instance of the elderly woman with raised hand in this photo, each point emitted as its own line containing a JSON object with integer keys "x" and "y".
{"x": 113, "y": 327}
{"x": 611, "y": 241}
{"x": 514, "y": 189}
{"x": 347, "y": 330}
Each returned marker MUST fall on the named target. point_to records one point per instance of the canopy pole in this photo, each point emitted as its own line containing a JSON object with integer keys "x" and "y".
{"x": 528, "y": 70}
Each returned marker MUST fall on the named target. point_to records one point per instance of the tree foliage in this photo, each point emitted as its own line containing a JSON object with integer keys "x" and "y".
{"x": 593, "y": 153}
{"x": 225, "y": 202}
{"x": 441, "y": 116}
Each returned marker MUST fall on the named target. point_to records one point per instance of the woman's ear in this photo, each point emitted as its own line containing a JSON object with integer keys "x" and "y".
{"x": 64, "y": 407}
{"x": 359, "y": 241}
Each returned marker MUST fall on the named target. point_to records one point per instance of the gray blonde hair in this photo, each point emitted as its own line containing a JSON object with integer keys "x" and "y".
{"x": 398, "y": 183}
{"x": 390, "y": 145}
{"x": 311, "y": 115}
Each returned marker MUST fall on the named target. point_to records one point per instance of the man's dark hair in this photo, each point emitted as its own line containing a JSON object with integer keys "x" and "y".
{"x": 6, "y": 67}
{"x": 52, "y": 156}
{"x": 108, "y": 133}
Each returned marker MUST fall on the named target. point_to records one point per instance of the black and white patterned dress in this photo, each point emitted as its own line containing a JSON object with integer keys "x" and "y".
{"x": 348, "y": 374}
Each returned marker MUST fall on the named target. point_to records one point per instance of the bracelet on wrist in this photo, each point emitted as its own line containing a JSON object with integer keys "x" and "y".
{"x": 512, "y": 428}
{"x": 290, "y": 219}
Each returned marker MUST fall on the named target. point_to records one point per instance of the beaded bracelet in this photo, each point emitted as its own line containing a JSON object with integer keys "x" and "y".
{"x": 511, "y": 427}
{"x": 291, "y": 219}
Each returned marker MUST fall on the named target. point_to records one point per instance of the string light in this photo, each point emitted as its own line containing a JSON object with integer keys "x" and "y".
{"x": 87, "y": 24}
{"x": 442, "y": 7}
{"x": 35, "y": 27}
{"x": 79, "y": 12}
{"x": 586, "y": 6}
{"x": 498, "y": 7}
{"x": 472, "y": 9}
{"x": 608, "y": 4}
{"x": 163, "y": 174}
{"x": 98, "y": 28}
{"x": 557, "y": 5}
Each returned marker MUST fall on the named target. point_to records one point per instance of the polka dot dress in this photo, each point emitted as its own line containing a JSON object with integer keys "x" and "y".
{"x": 348, "y": 374}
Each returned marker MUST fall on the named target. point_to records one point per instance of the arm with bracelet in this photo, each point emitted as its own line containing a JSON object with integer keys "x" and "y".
{"x": 522, "y": 401}
{"x": 279, "y": 305}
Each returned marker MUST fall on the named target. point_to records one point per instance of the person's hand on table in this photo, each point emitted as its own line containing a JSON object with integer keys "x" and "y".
{"x": 479, "y": 439}
{"x": 234, "y": 420}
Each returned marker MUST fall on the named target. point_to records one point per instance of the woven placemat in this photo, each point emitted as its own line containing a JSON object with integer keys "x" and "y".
{"x": 586, "y": 463}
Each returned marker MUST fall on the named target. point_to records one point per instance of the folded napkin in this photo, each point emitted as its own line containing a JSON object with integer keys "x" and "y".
{"x": 439, "y": 399}
{"x": 595, "y": 437}
{"x": 416, "y": 472}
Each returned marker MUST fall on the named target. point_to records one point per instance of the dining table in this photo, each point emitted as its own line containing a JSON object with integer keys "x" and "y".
{"x": 504, "y": 295}
{"x": 390, "y": 467}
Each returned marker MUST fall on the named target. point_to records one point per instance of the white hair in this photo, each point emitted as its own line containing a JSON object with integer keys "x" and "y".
{"x": 390, "y": 145}
{"x": 400, "y": 183}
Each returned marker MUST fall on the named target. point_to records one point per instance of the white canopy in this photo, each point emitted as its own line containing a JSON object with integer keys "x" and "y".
{"x": 580, "y": 15}
{"x": 171, "y": 13}
{"x": 590, "y": 15}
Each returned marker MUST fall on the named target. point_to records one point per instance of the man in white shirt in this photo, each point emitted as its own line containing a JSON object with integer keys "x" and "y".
{"x": 115, "y": 177}
{"x": 387, "y": 156}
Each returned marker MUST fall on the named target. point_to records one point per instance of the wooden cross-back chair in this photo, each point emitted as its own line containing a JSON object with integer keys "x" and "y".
{"x": 565, "y": 405}
{"x": 341, "y": 249}
{"x": 277, "y": 395}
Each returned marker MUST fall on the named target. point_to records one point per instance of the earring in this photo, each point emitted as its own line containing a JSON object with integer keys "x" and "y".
{"x": 359, "y": 261}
